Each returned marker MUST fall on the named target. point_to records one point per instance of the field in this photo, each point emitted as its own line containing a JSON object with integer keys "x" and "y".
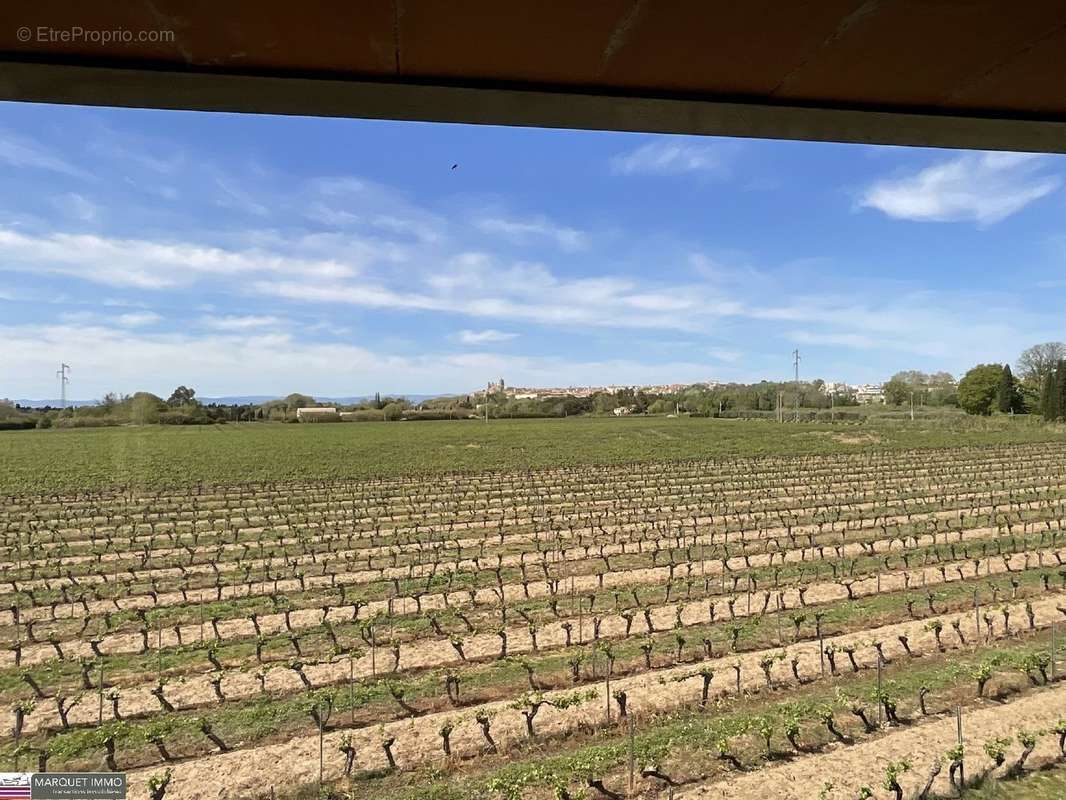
{"x": 537, "y": 609}
{"x": 227, "y": 455}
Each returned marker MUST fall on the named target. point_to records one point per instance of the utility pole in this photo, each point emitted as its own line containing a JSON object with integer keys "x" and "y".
{"x": 912, "y": 405}
{"x": 61, "y": 373}
{"x": 796, "y": 363}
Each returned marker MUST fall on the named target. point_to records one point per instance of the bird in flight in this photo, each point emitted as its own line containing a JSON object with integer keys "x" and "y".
{"x": 455, "y": 166}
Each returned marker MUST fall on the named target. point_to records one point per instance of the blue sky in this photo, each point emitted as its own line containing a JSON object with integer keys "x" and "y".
{"x": 263, "y": 255}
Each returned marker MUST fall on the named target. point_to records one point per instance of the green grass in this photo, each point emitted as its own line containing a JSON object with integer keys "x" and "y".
{"x": 65, "y": 460}
{"x": 683, "y": 742}
{"x": 1047, "y": 784}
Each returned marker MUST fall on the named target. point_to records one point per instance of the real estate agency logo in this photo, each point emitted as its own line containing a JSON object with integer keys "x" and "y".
{"x": 62, "y": 786}
{"x": 15, "y": 785}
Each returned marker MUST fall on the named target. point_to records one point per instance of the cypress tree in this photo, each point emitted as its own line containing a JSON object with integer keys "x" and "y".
{"x": 1007, "y": 398}
{"x": 1059, "y": 409}
{"x": 1053, "y": 398}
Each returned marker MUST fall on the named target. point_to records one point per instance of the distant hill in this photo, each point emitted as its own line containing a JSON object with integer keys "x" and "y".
{"x": 56, "y": 403}
{"x": 242, "y": 400}
{"x": 341, "y": 401}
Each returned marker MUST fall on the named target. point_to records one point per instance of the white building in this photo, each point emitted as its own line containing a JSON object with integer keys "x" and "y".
{"x": 317, "y": 415}
{"x": 869, "y": 393}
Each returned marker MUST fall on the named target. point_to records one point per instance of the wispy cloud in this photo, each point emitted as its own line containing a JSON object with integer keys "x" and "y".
{"x": 18, "y": 151}
{"x": 347, "y": 201}
{"x": 76, "y": 205}
{"x": 975, "y": 187}
{"x": 235, "y": 197}
{"x": 485, "y": 337}
{"x": 609, "y": 302}
{"x": 146, "y": 264}
{"x": 672, "y": 155}
{"x": 524, "y": 231}
{"x": 954, "y": 329}
{"x": 126, "y": 148}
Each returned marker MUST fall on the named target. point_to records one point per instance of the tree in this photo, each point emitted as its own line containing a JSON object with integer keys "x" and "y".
{"x": 145, "y": 408}
{"x": 1053, "y": 394}
{"x": 1008, "y": 398}
{"x": 979, "y": 388}
{"x": 1039, "y": 360}
{"x": 897, "y": 391}
{"x": 660, "y": 406}
{"x": 936, "y": 389}
{"x": 393, "y": 411}
{"x": 297, "y": 400}
{"x": 181, "y": 396}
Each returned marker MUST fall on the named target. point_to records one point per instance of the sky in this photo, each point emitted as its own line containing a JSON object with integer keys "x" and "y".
{"x": 263, "y": 255}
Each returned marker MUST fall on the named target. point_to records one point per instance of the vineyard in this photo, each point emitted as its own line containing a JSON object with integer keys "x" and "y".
{"x": 153, "y": 456}
{"x": 788, "y": 626}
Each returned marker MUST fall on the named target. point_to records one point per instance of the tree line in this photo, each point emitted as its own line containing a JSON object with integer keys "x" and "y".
{"x": 1037, "y": 385}
{"x": 1038, "y": 388}
{"x": 181, "y": 408}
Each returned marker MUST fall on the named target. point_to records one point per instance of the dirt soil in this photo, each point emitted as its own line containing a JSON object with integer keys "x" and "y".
{"x": 851, "y": 767}
{"x": 252, "y": 771}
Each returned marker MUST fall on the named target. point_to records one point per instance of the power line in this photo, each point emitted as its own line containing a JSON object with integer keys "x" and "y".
{"x": 62, "y": 374}
{"x": 796, "y": 362}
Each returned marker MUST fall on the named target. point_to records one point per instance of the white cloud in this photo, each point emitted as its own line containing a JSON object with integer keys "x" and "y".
{"x": 525, "y": 231}
{"x": 975, "y": 187}
{"x": 136, "y": 319}
{"x": 671, "y": 155}
{"x": 146, "y": 264}
{"x": 485, "y": 337}
{"x": 240, "y": 323}
{"x": 949, "y": 330}
{"x": 855, "y": 341}
{"x": 112, "y": 359}
{"x": 131, "y": 319}
{"x": 607, "y": 302}
{"x": 482, "y": 287}
{"x": 725, "y": 354}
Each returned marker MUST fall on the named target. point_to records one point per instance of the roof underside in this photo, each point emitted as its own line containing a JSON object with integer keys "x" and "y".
{"x": 963, "y": 73}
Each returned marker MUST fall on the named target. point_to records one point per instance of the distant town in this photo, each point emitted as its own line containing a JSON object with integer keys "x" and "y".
{"x": 864, "y": 393}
